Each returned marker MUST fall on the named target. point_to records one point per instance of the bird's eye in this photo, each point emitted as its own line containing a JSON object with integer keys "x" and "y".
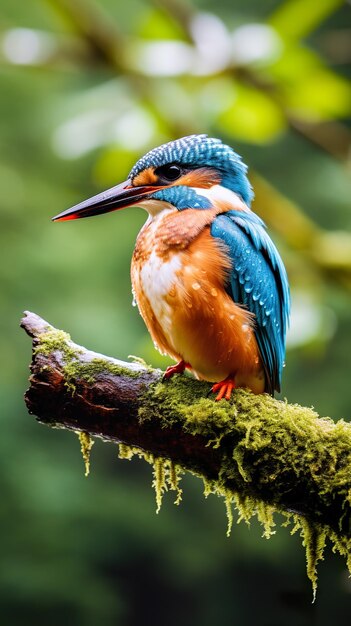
{"x": 169, "y": 172}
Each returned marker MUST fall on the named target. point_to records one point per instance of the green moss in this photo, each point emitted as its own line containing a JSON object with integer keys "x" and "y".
{"x": 54, "y": 339}
{"x": 140, "y": 361}
{"x": 96, "y": 366}
{"x": 73, "y": 368}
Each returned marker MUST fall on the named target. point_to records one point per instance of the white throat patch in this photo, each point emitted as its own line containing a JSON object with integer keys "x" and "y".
{"x": 156, "y": 207}
{"x": 219, "y": 194}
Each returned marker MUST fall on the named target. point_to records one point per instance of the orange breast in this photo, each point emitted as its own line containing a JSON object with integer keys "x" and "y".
{"x": 178, "y": 282}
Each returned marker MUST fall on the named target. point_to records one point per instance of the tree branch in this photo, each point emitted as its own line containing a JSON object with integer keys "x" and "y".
{"x": 262, "y": 454}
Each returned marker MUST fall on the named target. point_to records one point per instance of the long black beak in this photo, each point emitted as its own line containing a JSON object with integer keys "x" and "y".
{"x": 118, "y": 197}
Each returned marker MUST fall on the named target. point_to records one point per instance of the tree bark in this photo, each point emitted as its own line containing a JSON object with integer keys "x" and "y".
{"x": 260, "y": 450}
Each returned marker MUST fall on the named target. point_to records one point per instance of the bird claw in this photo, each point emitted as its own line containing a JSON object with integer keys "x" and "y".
{"x": 175, "y": 369}
{"x": 224, "y": 388}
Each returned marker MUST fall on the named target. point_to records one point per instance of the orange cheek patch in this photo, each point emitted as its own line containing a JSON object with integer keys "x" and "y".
{"x": 202, "y": 177}
{"x": 146, "y": 177}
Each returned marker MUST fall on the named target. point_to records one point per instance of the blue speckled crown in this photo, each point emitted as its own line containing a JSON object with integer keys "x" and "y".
{"x": 200, "y": 151}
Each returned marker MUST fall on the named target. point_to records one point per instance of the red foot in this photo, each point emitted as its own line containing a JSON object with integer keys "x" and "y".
{"x": 175, "y": 369}
{"x": 224, "y": 388}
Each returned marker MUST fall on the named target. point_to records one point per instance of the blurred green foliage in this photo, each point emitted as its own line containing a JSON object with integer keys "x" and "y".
{"x": 87, "y": 87}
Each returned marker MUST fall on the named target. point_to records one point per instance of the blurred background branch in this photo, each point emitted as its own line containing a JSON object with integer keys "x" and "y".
{"x": 254, "y": 82}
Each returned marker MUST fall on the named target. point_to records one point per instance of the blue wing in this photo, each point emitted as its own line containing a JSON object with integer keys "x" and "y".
{"x": 258, "y": 280}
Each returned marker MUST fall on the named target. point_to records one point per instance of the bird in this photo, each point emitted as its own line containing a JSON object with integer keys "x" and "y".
{"x": 206, "y": 276}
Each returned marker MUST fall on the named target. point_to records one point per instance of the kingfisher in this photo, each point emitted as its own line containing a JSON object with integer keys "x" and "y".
{"x": 207, "y": 278}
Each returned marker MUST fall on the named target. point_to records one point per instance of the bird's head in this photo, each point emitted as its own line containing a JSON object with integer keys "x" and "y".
{"x": 180, "y": 173}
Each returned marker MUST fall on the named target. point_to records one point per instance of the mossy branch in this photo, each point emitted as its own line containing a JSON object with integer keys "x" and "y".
{"x": 261, "y": 454}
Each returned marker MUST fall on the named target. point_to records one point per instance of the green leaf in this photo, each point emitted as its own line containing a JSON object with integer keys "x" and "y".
{"x": 321, "y": 95}
{"x": 252, "y": 117}
{"x": 298, "y": 18}
{"x": 295, "y": 62}
{"x": 157, "y": 24}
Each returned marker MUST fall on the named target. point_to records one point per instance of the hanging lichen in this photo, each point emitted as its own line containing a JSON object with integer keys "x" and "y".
{"x": 166, "y": 474}
{"x": 209, "y": 487}
{"x": 313, "y": 539}
{"x": 125, "y": 452}
{"x": 86, "y": 444}
{"x": 229, "y": 511}
{"x": 265, "y": 515}
{"x": 174, "y": 474}
{"x": 159, "y": 482}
